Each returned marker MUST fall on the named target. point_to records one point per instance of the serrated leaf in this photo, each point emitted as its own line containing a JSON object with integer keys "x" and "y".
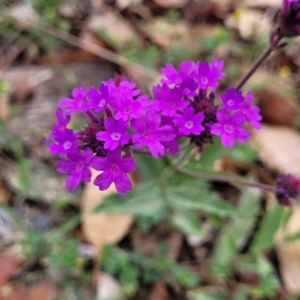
{"x": 187, "y": 222}
{"x": 270, "y": 224}
{"x": 190, "y": 198}
{"x": 149, "y": 167}
{"x": 236, "y": 230}
{"x": 215, "y": 151}
{"x": 144, "y": 200}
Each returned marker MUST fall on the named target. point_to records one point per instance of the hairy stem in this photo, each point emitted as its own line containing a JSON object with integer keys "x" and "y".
{"x": 274, "y": 44}
{"x": 256, "y": 65}
{"x": 222, "y": 178}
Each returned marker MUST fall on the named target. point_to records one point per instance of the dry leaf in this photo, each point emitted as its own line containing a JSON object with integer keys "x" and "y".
{"x": 279, "y": 149}
{"x": 277, "y": 108}
{"x": 113, "y": 29}
{"x": 172, "y": 3}
{"x": 126, "y": 3}
{"x": 108, "y": 287}
{"x": 101, "y": 229}
{"x": 166, "y": 33}
{"x": 263, "y": 3}
{"x": 249, "y": 23}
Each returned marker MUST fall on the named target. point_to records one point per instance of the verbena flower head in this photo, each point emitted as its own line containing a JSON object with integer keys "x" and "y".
{"x": 123, "y": 121}
{"x": 287, "y": 187}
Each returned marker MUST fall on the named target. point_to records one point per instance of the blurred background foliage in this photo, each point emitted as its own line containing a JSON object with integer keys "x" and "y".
{"x": 174, "y": 236}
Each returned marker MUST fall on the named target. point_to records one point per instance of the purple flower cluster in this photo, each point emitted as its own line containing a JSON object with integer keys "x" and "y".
{"x": 287, "y": 186}
{"x": 290, "y": 18}
{"x": 123, "y": 121}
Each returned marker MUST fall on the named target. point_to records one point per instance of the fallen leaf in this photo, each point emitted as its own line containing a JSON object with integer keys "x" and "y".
{"x": 277, "y": 108}
{"x": 122, "y": 4}
{"x": 172, "y": 3}
{"x": 100, "y": 228}
{"x": 45, "y": 290}
{"x": 249, "y": 23}
{"x": 108, "y": 287}
{"x": 159, "y": 292}
{"x": 263, "y": 3}
{"x": 113, "y": 29}
{"x": 9, "y": 266}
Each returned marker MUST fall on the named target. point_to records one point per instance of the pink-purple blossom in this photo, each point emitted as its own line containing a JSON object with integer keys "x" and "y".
{"x": 78, "y": 103}
{"x": 115, "y": 134}
{"x": 149, "y": 133}
{"x": 229, "y": 128}
{"x": 65, "y": 141}
{"x": 232, "y": 99}
{"x": 99, "y": 99}
{"x": 168, "y": 101}
{"x": 190, "y": 122}
{"x": 77, "y": 165}
{"x": 252, "y": 113}
{"x": 115, "y": 169}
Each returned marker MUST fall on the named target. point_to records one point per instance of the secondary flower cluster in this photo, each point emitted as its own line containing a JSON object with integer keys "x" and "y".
{"x": 123, "y": 121}
{"x": 287, "y": 186}
{"x": 290, "y": 18}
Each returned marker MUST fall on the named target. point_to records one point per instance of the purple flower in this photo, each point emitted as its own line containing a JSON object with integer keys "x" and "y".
{"x": 79, "y": 102}
{"x": 77, "y": 165}
{"x": 186, "y": 69}
{"x": 251, "y": 112}
{"x": 99, "y": 99}
{"x": 287, "y": 186}
{"x": 189, "y": 122}
{"x": 148, "y": 133}
{"x": 189, "y": 87}
{"x": 129, "y": 85}
{"x": 172, "y": 146}
{"x": 115, "y": 168}
{"x": 229, "y": 128}
{"x": 168, "y": 101}
{"x": 208, "y": 74}
{"x": 62, "y": 120}
{"x": 127, "y": 108}
{"x": 232, "y": 99}
{"x": 66, "y": 142}
{"x": 115, "y": 134}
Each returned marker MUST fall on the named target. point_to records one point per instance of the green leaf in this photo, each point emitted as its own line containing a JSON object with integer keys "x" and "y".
{"x": 149, "y": 167}
{"x": 236, "y": 231}
{"x": 293, "y": 237}
{"x": 143, "y": 200}
{"x": 191, "y": 197}
{"x": 215, "y": 151}
{"x": 270, "y": 224}
{"x": 187, "y": 222}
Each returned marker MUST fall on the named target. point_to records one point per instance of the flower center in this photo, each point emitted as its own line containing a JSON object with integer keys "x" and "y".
{"x": 189, "y": 124}
{"x": 80, "y": 165}
{"x": 204, "y": 80}
{"x": 115, "y": 168}
{"x": 102, "y": 103}
{"x": 115, "y": 136}
{"x": 67, "y": 145}
{"x": 230, "y": 102}
{"x": 228, "y": 128}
